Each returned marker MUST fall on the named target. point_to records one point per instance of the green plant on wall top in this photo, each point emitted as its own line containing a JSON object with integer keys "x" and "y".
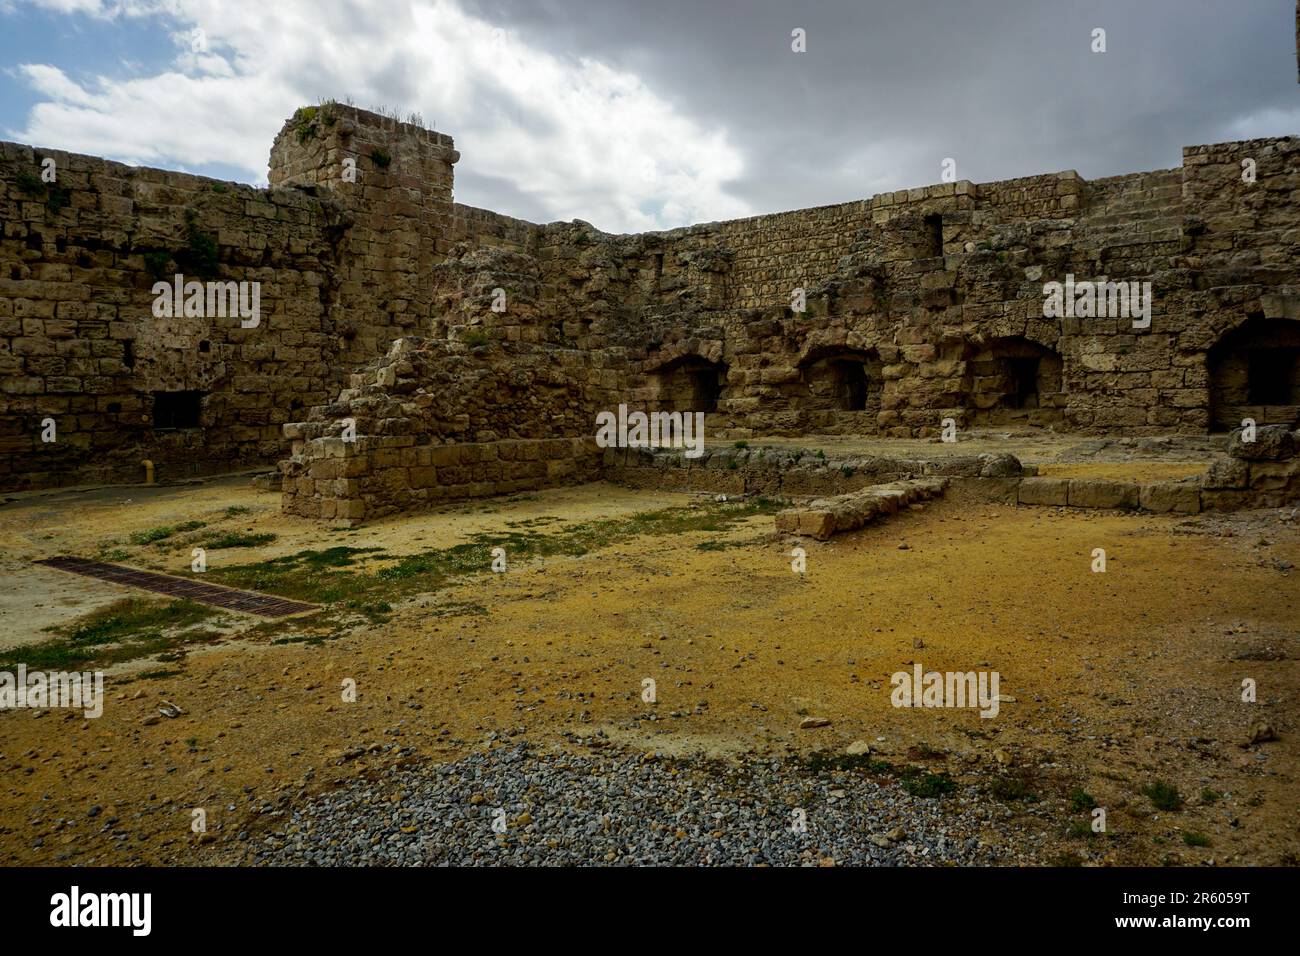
{"x": 308, "y": 120}
{"x": 54, "y": 196}
{"x": 200, "y": 255}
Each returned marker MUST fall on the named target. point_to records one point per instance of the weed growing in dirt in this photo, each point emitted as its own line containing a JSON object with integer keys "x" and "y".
{"x": 1163, "y": 795}
{"x": 923, "y": 783}
{"x": 163, "y": 532}
{"x": 327, "y": 577}
{"x": 823, "y": 761}
{"x": 125, "y": 630}
{"x": 236, "y": 539}
{"x": 1081, "y": 800}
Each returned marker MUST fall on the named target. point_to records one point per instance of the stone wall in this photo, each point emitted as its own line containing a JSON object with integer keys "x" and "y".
{"x": 79, "y": 343}
{"x": 920, "y": 305}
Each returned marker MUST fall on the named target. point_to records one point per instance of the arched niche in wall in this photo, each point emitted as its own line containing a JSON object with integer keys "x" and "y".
{"x": 842, "y": 386}
{"x": 1014, "y": 380}
{"x": 690, "y": 383}
{"x": 1254, "y": 372}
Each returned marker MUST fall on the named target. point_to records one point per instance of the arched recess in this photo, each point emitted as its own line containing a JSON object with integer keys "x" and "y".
{"x": 1015, "y": 380}
{"x": 690, "y": 384}
{"x": 1254, "y": 372}
{"x": 844, "y": 381}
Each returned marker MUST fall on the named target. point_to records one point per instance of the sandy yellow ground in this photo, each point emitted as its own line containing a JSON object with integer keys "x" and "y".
{"x": 1116, "y": 679}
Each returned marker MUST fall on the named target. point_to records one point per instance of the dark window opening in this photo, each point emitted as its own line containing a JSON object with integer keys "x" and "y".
{"x": 659, "y": 265}
{"x": 114, "y": 407}
{"x": 176, "y": 409}
{"x": 934, "y": 234}
{"x": 1022, "y": 387}
{"x": 205, "y": 346}
{"x": 850, "y": 386}
{"x": 1271, "y": 377}
{"x": 706, "y": 387}
{"x": 128, "y": 353}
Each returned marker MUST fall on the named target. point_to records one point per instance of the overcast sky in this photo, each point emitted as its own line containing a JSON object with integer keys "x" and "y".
{"x": 658, "y": 113}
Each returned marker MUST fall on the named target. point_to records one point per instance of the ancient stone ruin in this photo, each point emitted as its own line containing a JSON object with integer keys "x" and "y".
{"x": 411, "y": 350}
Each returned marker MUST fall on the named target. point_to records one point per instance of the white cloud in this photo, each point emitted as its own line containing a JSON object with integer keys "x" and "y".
{"x": 578, "y": 138}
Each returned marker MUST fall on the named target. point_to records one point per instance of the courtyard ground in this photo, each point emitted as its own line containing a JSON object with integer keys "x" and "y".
{"x": 1121, "y": 690}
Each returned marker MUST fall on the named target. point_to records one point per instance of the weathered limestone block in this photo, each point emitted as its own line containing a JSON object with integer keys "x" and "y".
{"x": 1180, "y": 497}
{"x": 1227, "y": 474}
{"x": 1272, "y": 443}
{"x": 1102, "y": 493}
{"x": 1274, "y": 476}
{"x": 1044, "y": 491}
{"x": 999, "y": 466}
{"x": 824, "y": 517}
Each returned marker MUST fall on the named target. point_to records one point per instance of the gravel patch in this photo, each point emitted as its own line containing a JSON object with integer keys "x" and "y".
{"x": 628, "y": 809}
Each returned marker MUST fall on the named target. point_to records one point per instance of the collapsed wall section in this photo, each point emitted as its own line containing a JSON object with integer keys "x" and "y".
{"x": 434, "y": 421}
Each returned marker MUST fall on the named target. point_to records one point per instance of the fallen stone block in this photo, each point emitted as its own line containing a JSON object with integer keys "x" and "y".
{"x": 1272, "y": 443}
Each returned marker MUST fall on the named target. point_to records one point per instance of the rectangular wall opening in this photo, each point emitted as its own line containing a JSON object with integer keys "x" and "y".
{"x": 172, "y": 410}
{"x": 1273, "y": 377}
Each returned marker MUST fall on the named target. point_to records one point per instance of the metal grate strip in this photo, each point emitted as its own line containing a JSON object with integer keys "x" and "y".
{"x": 217, "y": 595}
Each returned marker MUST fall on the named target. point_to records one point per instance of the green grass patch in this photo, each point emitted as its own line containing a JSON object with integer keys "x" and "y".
{"x": 125, "y": 630}
{"x": 236, "y": 539}
{"x": 1014, "y": 788}
{"x": 330, "y": 577}
{"x": 163, "y": 532}
{"x": 823, "y": 761}
{"x": 1195, "y": 839}
{"x": 923, "y": 783}
{"x": 1163, "y": 795}
{"x": 1081, "y": 800}
{"x": 1079, "y": 830}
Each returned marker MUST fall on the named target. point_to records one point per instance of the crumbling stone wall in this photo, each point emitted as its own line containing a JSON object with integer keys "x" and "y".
{"x": 878, "y": 316}
{"x": 435, "y": 421}
{"x": 80, "y": 345}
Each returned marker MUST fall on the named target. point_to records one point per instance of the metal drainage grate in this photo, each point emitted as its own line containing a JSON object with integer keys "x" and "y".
{"x": 215, "y": 594}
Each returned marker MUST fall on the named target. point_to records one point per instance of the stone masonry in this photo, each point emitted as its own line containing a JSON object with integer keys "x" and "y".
{"x": 428, "y": 324}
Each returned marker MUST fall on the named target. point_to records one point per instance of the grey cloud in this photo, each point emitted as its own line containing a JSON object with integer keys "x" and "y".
{"x": 888, "y": 89}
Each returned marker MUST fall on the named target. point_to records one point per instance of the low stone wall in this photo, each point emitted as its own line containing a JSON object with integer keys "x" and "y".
{"x": 827, "y": 516}
{"x": 350, "y": 482}
{"x": 780, "y": 473}
{"x": 1260, "y": 474}
{"x": 1164, "y": 496}
{"x": 1264, "y": 473}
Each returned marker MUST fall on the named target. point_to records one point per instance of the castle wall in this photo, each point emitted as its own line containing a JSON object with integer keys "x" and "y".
{"x": 921, "y": 305}
{"x": 79, "y": 343}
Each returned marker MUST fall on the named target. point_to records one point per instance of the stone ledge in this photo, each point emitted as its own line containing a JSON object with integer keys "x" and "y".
{"x": 828, "y": 516}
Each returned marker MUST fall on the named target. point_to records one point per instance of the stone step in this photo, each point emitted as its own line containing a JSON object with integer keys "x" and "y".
{"x": 824, "y": 517}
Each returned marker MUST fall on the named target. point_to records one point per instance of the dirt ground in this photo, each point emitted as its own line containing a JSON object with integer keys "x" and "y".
{"x": 1111, "y": 681}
